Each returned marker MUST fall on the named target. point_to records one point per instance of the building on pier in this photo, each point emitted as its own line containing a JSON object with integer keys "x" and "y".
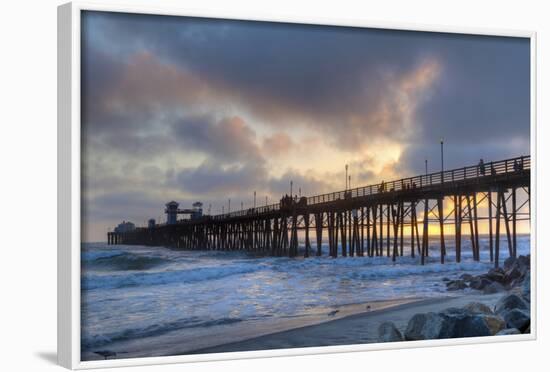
{"x": 124, "y": 227}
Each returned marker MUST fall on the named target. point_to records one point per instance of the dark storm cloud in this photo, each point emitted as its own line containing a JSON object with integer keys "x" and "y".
{"x": 336, "y": 78}
{"x": 199, "y": 108}
{"x": 228, "y": 140}
{"x": 213, "y": 178}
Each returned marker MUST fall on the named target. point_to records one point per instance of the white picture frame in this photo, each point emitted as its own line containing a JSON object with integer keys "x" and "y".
{"x": 69, "y": 185}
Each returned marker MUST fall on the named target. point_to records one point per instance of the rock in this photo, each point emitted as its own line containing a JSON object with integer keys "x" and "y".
{"x": 526, "y": 287}
{"x": 479, "y": 282}
{"x": 512, "y": 274}
{"x": 479, "y": 308}
{"x": 445, "y": 279}
{"x": 509, "y": 263}
{"x": 388, "y": 332}
{"x": 510, "y": 302}
{"x": 494, "y": 287}
{"x": 495, "y": 323}
{"x": 455, "y": 285}
{"x": 427, "y": 326}
{"x": 466, "y": 323}
{"x": 496, "y": 274}
{"x": 452, "y": 323}
{"x": 466, "y": 277}
{"x": 524, "y": 263}
{"x": 517, "y": 318}
{"x": 508, "y": 331}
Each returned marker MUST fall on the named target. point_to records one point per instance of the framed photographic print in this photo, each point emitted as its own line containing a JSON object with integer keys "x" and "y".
{"x": 234, "y": 187}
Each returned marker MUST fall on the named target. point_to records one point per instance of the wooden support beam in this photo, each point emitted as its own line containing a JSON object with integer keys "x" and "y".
{"x": 471, "y": 224}
{"x": 476, "y": 227}
{"x": 490, "y": 212}
{"x": 342, "y": 218}
{"x": 425, "y": 233}
{"x": 307, "y": 244}
{"x": 395, "y": 223}
{"x": 319, "y": 232}
{"x": 514, "y": 224}
{"x": 381, "y": 237}
{"x": 374, "y": 247}
{"x": 367, "y": 209}
{"x": 441, "y": 229}
{"x": 505, "y": 217}
{"x": 402, "y": 227}
{"x": 362, "y": 248}
{"x": 497, "y": 232}
{"x": 388, "y": 220}
{"x": 413, "y": 224}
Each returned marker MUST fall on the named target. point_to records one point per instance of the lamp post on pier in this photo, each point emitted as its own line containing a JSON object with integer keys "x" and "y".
{"x": 441, "y": 141}
{"x": 346, "y": 177}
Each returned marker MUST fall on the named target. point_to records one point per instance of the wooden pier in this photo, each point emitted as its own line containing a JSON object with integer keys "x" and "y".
{"x": 375, "y": 220}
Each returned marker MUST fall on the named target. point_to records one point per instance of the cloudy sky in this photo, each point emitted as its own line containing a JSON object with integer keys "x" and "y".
{"x": 189, "y": 109}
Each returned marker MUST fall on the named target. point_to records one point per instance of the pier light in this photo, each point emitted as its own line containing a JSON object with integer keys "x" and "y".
{"x": 346, "y": 176}
{"x": 441, "y": 141}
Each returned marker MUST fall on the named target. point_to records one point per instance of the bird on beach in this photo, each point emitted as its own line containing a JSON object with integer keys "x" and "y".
{"x": 333, "y": 313}
{"x": 105, "y": 353}
{"x": 368, "y": 307}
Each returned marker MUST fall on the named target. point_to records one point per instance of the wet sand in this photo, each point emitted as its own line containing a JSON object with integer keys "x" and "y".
{"x": 358, "y": 328}
{"x": 343, "y": 325}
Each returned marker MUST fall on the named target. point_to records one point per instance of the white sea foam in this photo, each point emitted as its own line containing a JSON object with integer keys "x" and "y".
{"x": 132, "y": 292}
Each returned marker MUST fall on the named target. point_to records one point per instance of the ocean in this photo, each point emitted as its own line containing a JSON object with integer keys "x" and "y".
{"x": 147, "y": 301}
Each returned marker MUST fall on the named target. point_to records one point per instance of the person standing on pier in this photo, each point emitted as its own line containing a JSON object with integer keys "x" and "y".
{"x": 481, "y": 167}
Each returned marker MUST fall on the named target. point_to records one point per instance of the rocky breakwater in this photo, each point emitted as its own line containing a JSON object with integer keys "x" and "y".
{"x": 516, "y": 272}
{"x": 511, "y": 314}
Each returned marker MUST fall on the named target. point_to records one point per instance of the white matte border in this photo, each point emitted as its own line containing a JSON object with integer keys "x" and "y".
{"x": 69, "y": 184}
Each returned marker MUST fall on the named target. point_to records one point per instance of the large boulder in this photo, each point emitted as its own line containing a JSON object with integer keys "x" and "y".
{"x": 479, "y": 308}
{"x": 479, "y": 282}
{"x": 452, "y": 323}
{"x": 388, "y": 332}
{"x": 495, "y": 323}
{"x": 494, "y": 287}
{"x": 522, "y": 263}
{"x": 510, "y": 302}
{"x": 427, "y": 326}
{"x": 496, "y": 274}
{"x": 455, "y": 285}
{"x": 508, "y": 331}
{"x": 517, "y": 318}
{"x": 526, "y": 287}
{"x": 513, "y": 274}
{"x": 465, "y": 323}
{"x": 466, "y": 277}
{"x": 509, "y": 263}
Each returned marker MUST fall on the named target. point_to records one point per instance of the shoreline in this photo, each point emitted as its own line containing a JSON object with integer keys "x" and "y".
{"x": 359, "y": 328}
{"x": 171, "y": 344}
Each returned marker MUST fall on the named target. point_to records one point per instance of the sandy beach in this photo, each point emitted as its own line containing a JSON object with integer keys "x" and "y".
{"x": 358, "y": 328}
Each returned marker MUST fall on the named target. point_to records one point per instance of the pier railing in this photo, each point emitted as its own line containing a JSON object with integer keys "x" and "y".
{"x": 495, "y": 168}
